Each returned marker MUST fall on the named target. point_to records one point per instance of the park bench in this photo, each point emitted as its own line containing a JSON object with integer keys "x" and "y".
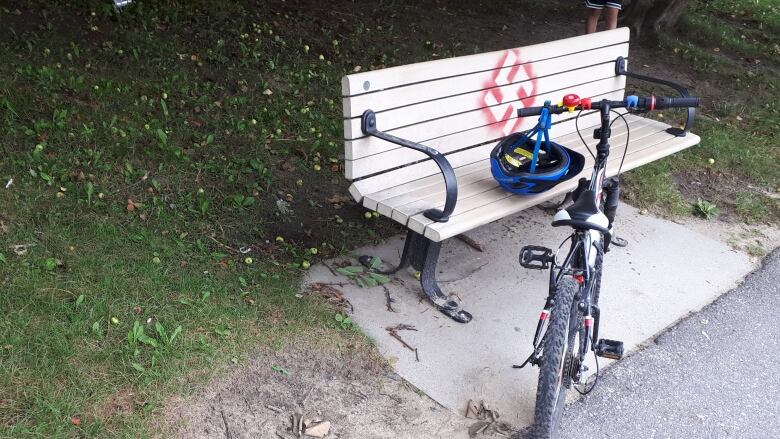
{"x": 418, "y": 137}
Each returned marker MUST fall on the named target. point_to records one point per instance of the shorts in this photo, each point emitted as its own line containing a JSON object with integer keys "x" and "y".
{"x": 601, "y": 4}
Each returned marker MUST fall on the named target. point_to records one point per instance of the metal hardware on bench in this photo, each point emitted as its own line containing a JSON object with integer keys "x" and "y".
{"x": 620, "y": 69}
{"x": 368, "y": 126}
{"x": 422, "y": 254}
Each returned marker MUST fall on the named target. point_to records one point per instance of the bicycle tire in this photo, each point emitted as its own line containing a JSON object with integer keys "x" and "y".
{"x": 551, "y": 391}
{"x": 597, "y": 267}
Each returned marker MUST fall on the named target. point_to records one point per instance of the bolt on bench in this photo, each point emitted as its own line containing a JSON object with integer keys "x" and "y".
{"x": 418, "y": 137}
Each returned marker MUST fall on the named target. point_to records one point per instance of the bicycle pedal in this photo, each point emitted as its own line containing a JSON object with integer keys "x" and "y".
{"x": 536, "y": 257}
{"x": 619, "y": 242}
{"x": 611, "y": 349}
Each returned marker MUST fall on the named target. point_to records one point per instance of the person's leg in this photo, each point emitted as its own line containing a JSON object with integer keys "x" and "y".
{"x": 611, "y": 19}
{"x": 593, "y": 18}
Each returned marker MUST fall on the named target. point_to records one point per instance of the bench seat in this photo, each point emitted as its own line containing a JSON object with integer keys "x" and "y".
{"x": 481, "y": 200}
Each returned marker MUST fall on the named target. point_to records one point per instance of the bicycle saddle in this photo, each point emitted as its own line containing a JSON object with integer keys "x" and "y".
{"x": 582, "y": 214}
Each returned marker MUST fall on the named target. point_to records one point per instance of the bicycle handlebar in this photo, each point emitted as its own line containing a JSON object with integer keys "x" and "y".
{"x": 648, "y": 103}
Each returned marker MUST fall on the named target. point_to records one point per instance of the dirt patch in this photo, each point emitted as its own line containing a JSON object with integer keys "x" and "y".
{"x": 722, "y": 189}
{"x": 708, "y": 184}
{"x": 355, "y": 392}
{"x": 121, "y": 404}
{"x": 757, "y": 240}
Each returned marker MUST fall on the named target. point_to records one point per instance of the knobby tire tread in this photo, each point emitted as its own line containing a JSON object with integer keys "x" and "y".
{"x": 549, "y": 405}
{"x": 597, "y": 277}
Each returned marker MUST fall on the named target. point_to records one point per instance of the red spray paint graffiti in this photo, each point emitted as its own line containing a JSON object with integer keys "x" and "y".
{"x": 507, "y": 90}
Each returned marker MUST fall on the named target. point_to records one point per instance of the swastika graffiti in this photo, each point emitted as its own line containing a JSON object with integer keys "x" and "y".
{"x": 508, "y": 89}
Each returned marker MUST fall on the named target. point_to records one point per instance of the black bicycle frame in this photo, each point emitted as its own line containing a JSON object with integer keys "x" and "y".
{"x": 577, "y": 261}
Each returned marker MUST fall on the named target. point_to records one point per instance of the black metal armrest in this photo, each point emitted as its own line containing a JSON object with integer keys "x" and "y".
{"x": 368, "y": 126}
{"x": 620, "y": 69}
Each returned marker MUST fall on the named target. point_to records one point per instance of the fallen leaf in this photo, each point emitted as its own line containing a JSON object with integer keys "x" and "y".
{"x": 338, "y": 200}
{"x": 317, "y": 430}
{"x": 20, "y": 249}
{"x": 329, "y": 293}
{"x": 477, "y": 428}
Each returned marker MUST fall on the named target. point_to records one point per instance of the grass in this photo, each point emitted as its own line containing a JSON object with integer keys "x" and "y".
{"x": 735, "y": 57}
{"x": 155, "y": 163}
{"x": 64, "y": 335}
{"x": 762, "y": 13}
{"x": 177, "y": 166}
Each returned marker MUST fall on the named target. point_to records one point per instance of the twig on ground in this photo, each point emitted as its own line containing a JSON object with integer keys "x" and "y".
{"x": 393, "y": 331}
{"x": 306, "y": 396}
{"x": 330, "y": 294}
{"x": 223, "y": 245}
{"x": 470, "y": 242}
{"x": 330, "y": 268}
{"x": 389, "y": 300}
{"x": 227, "y": 429}
{"x": 58, "y": 289}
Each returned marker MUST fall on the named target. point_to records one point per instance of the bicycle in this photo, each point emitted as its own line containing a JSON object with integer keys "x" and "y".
{"x": 568, "y": 327}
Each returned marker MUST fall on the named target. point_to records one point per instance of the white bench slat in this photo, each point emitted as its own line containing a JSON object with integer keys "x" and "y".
{"x": 394, "y": 98}
{"x": 486, "y": 213}
{"x": 371, "y": 201}
{"x": 476, "y": 100}
{"x": 427, "y": 168}
{"x": 453, "y": 105}
{"x": 401, "y": 75}
{"x": 565, "y": 133}
{"x": 432, "y": 129}
{"x": 405, "y": 206}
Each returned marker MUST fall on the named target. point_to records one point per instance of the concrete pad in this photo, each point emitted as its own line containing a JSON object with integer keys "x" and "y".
{"x": 666, "y": 272}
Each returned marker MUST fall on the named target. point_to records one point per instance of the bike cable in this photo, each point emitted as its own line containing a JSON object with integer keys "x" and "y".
{"x": 595, "y": 379}
{"x": 628, "y": 134}
{"x": 577, "y": 127}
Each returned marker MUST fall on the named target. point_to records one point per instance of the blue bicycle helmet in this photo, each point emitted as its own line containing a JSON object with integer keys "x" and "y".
{"x": 521, "y": 166}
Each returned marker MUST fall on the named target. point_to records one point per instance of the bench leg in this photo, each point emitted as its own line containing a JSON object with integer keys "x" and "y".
{"x": 406, "y": 256}
{"x": 423, "y": 254}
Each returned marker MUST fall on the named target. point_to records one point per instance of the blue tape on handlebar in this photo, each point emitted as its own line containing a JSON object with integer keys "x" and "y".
{"x": 632, "y": 102}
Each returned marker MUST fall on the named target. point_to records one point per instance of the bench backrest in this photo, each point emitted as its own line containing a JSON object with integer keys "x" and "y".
{"x": 462, "y": 106}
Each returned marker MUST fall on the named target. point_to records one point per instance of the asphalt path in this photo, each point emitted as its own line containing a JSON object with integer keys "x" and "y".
{"x": 716, "y": 374}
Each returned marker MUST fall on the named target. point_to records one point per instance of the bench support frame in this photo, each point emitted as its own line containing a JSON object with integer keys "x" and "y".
{"x": 620, "y": 69}
{"x": 423, "y": 254}
{"x": 368, "y": 126}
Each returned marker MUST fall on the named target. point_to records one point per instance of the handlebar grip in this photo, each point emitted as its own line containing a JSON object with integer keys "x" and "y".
{"x": 664, "y": 102}
{"x": 529, "y": 111}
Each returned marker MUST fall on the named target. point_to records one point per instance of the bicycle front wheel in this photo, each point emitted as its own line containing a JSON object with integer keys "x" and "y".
{"x": 553, "y": 373}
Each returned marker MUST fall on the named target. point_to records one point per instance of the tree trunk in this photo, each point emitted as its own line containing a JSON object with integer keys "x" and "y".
{"x": 649, "y": 18}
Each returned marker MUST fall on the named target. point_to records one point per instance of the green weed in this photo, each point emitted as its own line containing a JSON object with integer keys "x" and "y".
{"x": 365, "y": 277}
{"x": 705, "y": 209}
